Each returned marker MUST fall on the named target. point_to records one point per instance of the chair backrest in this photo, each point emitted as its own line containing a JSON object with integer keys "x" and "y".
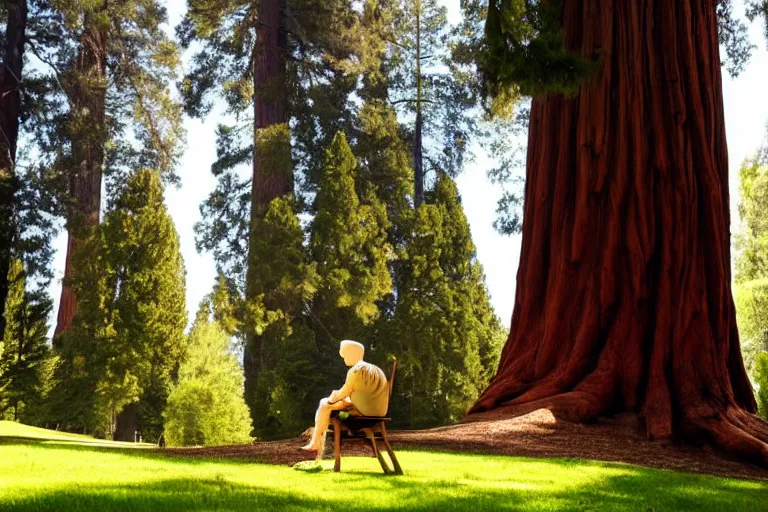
{"x": 391, "y": 382}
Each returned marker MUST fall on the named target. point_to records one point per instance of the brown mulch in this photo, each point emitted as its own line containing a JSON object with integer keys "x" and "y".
{"x": 520, "y": 432}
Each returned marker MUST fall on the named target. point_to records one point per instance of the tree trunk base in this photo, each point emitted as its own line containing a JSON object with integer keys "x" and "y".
{"x": 739, "y": 434}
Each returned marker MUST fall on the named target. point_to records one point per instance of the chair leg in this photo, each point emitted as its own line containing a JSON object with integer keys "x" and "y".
{"x": 369, "y": 434}
{"x": 390, "y": 451}
{"x": 336, "y": 444}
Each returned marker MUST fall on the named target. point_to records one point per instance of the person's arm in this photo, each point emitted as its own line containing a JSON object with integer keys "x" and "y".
{"x": 345, "y": 391}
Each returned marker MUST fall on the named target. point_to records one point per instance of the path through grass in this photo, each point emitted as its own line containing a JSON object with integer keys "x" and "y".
{"x": 67, "y": 475}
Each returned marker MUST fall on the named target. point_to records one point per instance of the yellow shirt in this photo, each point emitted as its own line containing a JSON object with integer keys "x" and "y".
{"x": 370, "y": 392}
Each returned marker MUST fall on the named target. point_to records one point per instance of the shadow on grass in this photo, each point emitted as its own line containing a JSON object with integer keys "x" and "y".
{"x": 634, "y": 490}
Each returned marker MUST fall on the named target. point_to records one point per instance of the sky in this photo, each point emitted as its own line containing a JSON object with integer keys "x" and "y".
{"x": 746, "y": 114}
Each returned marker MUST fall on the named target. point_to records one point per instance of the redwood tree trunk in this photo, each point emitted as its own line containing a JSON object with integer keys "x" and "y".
{"x": 87, "y": 131}
{"x": 10, "y": 107}
{"x": 269, "y": 181}
{"x": 623, "y": 300}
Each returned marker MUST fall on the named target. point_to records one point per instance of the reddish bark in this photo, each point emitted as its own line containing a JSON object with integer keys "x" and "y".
{"x": 270, "y": 101}
{"x": 624, "y": 299}
{"x": 270, "y": 108}
{"x": 88, "y": 134}
{"x": 10, "y": 107}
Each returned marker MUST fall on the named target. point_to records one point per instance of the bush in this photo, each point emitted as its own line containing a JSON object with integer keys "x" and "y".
{"x": 751, "y": 300}
{"x": 207, "y": 407}
{"x": 761, "y": 379}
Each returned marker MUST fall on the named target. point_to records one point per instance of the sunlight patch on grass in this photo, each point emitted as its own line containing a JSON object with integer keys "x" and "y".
{"x": 70, "y": 477}
{"x": 13, "y": 429}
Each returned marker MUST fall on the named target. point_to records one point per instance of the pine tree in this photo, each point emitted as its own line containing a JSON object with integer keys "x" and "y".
{"x": 447, "y": 336}
{"x": 279, "y": 391}
{"x": 348, "y": 240}
{"x": 427, "y": 87}
{"x": 148, "y": 308}
{"x": 25, "y": 360}
{"x": 281, "y": 57}
{"x": 206, "y": 407}
{"x": 15, "y": 17}
{"x": 128, "y": 339}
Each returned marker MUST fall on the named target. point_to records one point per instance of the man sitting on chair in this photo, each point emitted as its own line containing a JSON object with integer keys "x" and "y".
{"x": 365, "y": 393}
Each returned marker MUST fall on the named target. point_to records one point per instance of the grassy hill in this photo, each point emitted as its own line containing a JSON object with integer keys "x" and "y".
{"x": 51, "y": 471}
{"x": 11, "y": 429}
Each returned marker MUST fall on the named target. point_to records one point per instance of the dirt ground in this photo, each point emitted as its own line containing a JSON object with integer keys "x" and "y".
{"x": 519, "y": 432}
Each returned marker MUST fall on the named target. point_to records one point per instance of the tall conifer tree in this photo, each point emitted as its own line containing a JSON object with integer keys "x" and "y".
{"x": 114, "y": 83}
{"x": 25, "y": 358}
{"x": 127, "y": 339}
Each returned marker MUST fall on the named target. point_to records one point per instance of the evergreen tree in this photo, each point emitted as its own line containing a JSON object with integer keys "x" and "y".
{"x": 25, "y": 359}
{"x": 282, "y": 57}
{"x": 348, "y": 242}
{"x": 206, "y": 407}
{"x": 281, "y": 392}
{"x": 111, "y": 65}
{"x": 128, "y": 339}
{"x": 447, "y": 336}
{"x": 13, "y": 15}
{"x": 148, "y": 308}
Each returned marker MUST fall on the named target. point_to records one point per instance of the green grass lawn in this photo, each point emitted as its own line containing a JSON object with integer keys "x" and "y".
{"x": 45, "y": 471}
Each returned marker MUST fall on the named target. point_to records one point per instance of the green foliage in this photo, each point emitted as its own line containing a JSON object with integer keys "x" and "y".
{"x": 25, "y": 359}
{"x": 282, "y": 396}
{"x": 207, "y": 407}
{"x": 751, "y": 300}
{"x": 349, "y": 240}
{"x": 761, "y": 378}
{"x": 758, "y": 9}
{"x": 424, "y": 77}
{"x": 127, "y": 337}
{"x": 319, "y": 39}
{"x": 752, "y": 243}
{"x": 124, "y": 110}
{"x": 525, "y": 54}
{"x": 385, "y": 160}
{"x": 446, "y": 335}
{"x": 523, "y": 51}
{"x": 751, "y": 289}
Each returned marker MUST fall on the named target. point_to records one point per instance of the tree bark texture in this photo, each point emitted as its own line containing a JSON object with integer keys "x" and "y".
{"x": 10, "y": 108}
{"x": 623, "y": 299}
{"x": 270, "y": 109}
{"x": 87, "y": 132}
{"x": 127, "y": 424}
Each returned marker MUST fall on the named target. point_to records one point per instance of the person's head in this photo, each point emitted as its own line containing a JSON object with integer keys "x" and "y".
{"x": 351, "y": 351}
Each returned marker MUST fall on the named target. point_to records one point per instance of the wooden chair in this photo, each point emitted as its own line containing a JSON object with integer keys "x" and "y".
{"x": 368, "y": 426}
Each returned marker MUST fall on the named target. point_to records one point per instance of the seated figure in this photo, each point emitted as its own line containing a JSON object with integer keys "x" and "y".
{"x": 365, "y": 393}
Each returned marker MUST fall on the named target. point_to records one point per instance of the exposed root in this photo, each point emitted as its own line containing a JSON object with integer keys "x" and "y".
{"x": 737, "y": 434}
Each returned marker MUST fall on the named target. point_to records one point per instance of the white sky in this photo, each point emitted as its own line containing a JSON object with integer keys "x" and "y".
{"x": 746, "y": 114}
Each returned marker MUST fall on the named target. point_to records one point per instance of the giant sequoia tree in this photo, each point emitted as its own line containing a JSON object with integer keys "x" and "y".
{"x": 624, "y": 302}
{"x": 116, "y": 80}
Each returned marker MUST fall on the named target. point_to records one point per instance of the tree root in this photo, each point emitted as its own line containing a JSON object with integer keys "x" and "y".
{"x": 737, "y": 433}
